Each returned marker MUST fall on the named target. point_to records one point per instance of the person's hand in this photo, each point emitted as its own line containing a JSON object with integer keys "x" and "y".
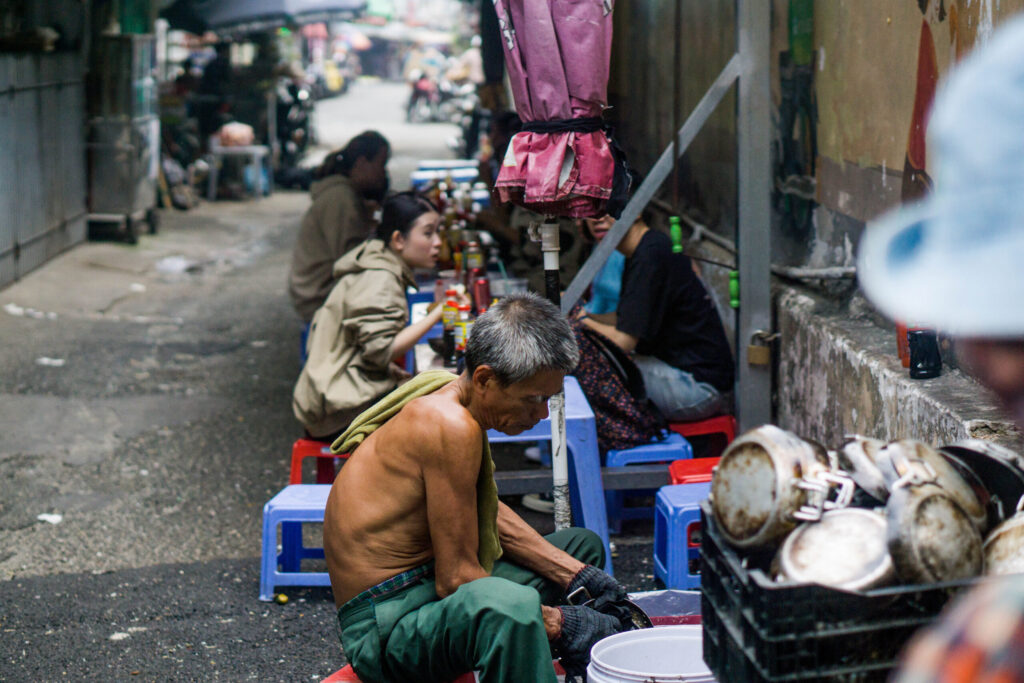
{"x": 600, "y": 587}
{"x": 581, "y": 628}
{"x": 398, "y": 373}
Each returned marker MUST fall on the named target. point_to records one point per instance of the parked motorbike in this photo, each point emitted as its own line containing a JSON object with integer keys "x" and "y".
{"x": 424, "y": 98}
{"x": 295, "y": 130}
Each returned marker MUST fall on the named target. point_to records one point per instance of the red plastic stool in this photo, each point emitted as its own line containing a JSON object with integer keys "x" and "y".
{"x": 694, "y": 471}
{"x": 311, "y": 448}
{"x": 720, "y": 424}
{"x": 348, "y": 675}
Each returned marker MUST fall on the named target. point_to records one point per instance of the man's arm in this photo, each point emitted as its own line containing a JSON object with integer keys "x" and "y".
{"x": 523, "y": 545}
{"x": 449, "y": 446}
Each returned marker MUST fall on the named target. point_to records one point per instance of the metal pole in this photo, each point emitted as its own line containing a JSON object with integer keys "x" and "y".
{"x": 753, "y": 239}
{"x": 549, "y": 247}
{"x": 677, "y": 74}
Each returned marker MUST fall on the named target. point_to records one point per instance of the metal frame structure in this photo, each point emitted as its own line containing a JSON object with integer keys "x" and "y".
{"x": 749, "y": 67}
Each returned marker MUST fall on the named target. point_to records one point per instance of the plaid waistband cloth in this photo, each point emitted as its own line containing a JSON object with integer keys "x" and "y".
{"x": 981, "y": 638}
{"x": 394, "y": 584}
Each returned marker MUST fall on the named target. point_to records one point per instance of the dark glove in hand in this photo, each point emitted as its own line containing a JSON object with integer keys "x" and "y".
{"x": 581, "y": 628}
{"x": 603, "y": 589}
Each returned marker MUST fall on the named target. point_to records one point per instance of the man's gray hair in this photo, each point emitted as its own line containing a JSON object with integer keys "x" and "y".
{"x": 519, "y": 336}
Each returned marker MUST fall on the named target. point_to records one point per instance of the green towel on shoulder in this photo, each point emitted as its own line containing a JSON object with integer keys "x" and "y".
{"x": 424, "y": 383}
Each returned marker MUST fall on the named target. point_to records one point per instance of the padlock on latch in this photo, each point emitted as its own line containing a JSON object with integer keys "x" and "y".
{"x": 759, "y": 351}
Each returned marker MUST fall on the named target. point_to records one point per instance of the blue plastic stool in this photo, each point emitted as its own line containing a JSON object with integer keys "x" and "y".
{"x": 661, "y": 449}
{"x": 295, "y": 503}
{"x": 677, "y": 534}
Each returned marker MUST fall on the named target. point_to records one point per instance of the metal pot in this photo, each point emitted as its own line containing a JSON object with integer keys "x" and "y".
{"x": 894, "y": 462}
{"x": 859, "y": 457}
{"x": 847, "y": 549}
{"x": 930, "y": 536}
{"x": 767, "y": 481}
{"x": 1004, "y": 547}
{"x": 1000, "y": 471}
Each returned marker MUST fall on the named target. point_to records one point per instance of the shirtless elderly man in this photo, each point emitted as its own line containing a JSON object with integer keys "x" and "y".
{"x": 406, "y": 526}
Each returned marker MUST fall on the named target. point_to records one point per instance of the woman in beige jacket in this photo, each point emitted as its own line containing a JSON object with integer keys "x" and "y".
{"x": 363, "y": 325}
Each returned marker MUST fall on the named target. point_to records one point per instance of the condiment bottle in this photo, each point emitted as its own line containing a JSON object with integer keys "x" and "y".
{"x": 474, "y": 256}
{"x": 923, "y": 353}
{"x": 481, "y": 294}
{"x": 463, "y": 324}
{"x": 902, "y": 346}
{"x": 448, "y": 317}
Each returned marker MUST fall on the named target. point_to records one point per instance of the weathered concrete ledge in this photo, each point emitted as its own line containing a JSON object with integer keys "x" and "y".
{"x": 838, "y": 374}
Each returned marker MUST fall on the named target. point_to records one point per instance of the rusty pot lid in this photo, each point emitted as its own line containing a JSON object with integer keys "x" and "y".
{"x": 846, "y": 549}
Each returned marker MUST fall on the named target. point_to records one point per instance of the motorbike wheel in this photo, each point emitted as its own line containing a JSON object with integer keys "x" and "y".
{"x": 420, "y": 112}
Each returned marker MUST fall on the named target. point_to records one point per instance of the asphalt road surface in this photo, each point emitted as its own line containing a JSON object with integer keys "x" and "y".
{"x": 145, "y": 420}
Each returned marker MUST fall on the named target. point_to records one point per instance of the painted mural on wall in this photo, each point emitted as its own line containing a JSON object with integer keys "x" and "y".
{"x": 879, "y": 65}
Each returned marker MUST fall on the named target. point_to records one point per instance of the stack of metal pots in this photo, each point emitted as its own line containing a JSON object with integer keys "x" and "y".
{"x": 871, "y": 513}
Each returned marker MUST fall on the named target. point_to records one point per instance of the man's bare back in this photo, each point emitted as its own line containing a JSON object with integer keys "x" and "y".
{"x": 377, "y": 521}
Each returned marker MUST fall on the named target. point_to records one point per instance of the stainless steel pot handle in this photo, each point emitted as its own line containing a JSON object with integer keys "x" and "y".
{"x": 819, "y": 488}
{"x": 912, "y": 471}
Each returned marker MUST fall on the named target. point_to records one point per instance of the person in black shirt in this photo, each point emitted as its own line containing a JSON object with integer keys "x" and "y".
{"x": 667, "y": 319}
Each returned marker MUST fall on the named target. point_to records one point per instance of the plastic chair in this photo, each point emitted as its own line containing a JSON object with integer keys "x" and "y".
{"x": 347, "y": 674}
{"x": 724, "y": 425}
{"x": 325, "y": 463}
{"x": 677, "y": 534}
{"x": 294, "y": 504}
{"x": 693, "y": 471}
{"x": 665, "y": 449}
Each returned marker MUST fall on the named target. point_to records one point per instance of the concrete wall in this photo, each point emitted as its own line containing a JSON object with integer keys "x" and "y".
{"x": 838, "y": 375}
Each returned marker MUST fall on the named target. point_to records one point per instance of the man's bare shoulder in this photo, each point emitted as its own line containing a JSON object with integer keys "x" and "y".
{"x": 440, "y": 421}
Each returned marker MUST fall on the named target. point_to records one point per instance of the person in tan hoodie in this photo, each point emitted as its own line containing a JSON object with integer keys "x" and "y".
{"x": 363, "y": 325}
{"x": 349, "y": 182}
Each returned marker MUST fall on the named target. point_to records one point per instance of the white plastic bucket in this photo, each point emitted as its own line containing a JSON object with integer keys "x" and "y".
{"x": 665, "y": 654}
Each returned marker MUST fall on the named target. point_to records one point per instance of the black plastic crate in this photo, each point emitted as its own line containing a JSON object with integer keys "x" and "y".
{"x": 758, "y": 630}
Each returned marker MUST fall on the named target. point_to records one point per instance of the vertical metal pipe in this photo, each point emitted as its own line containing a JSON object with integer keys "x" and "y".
{"x": 549, "y": 246}
{"x": 753, "y": 239}
{"x": 677, "y": 79}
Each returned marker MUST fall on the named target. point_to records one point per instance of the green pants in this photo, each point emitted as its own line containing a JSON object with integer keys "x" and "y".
{"x": 492, "y": 625}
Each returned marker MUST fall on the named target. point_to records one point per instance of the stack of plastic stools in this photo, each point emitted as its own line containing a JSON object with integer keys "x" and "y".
{"x": 294, "y": 503}
{"x": 725, "y": 425}
{"x": 677, "y": 533}
{"x": 661, "y": 449}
